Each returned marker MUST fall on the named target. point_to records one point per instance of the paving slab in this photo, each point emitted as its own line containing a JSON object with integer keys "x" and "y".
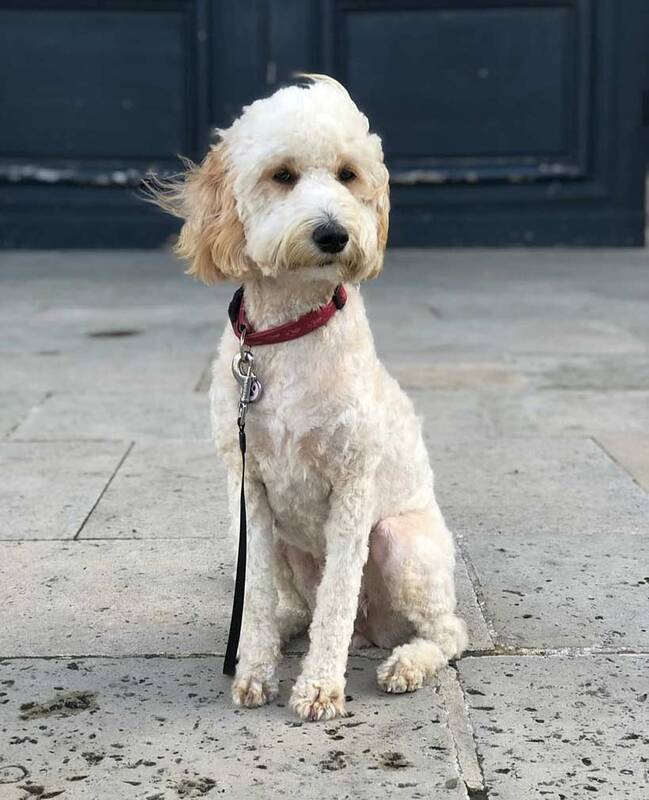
{"x": 125, "y": 415}
{"x": 533, "y": 486}
{"x": 561, "y": 727}
{"x": 112, "y": 279}
{"x": 557, "y": 590}
{"x": 571, "y": 413}
{"x": 432, "y": 338}
{"x": 97, "y": 331}
{"x": 451, "y": 415}
{"x": 170, "y": 489}
{"x": 630, "y": 312}
{"x": 145, "y": 370}
{"x": 617, "y": 272}
{"x": 632, "y": 454}
{"x": 108, "y": 597}
{"x": 453, "y": 375}
{"x": 49, "y": 488}
{"x": 131, "y": 597}
{"x": 600, "y": 373}
{"x": 165, "y": 728}
{"x": 519, "y": 302}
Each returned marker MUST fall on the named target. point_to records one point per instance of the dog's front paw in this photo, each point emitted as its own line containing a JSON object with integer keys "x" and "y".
{"x": 318, "y": 699}
{"x": 250, "y": 690}
{"x": 399, "y": 674}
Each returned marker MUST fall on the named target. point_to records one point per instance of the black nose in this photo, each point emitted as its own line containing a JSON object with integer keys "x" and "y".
{"x": 330, "y": 237}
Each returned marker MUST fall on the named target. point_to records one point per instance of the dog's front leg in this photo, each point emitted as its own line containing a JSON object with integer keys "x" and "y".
{"x": 255, "y": 682}
{"x": 319, "y": 692}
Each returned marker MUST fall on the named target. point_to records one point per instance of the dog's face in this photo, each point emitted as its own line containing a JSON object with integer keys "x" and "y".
{"x": 297, "y": 183}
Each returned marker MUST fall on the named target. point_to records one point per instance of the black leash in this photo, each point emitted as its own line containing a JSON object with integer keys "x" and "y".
{"x": 230, "y": 660}
{"x": 251, "y": 391}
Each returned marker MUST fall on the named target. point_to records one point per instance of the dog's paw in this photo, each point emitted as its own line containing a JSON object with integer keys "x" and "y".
{"x": 315, "y": 700}
{"x": 398, "y": 674}
{"x": 251, "y": 691}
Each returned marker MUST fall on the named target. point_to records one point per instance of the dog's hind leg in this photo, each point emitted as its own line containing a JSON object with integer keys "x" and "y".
{"x": 410, "y": 576}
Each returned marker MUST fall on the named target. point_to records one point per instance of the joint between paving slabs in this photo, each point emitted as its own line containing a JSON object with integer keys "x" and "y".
{"x": 476, "y": 586}
{"x": 370, "y": 654}
{"x": 550, "y": 652}
{"x": 203, "y": 383}
{"x": 23, "y": 417}
{"x": 458, "y": 723}
{"x": 104, "y": 490}
{"x": 617, "y": 463}
{"x": 109, "y": 657}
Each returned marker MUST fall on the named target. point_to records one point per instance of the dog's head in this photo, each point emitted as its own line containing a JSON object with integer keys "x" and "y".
{"x": 297, "y": 183}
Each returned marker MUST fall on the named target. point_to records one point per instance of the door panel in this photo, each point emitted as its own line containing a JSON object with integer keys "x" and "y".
{"x": 62, "y": 61}
{"x": 465, "y": 85}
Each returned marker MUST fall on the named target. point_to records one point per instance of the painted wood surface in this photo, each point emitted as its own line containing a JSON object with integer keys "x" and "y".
{"x": 504, "y": 121}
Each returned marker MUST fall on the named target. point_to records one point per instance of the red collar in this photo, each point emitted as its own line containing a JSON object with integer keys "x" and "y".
{"x": 308, "y": 322}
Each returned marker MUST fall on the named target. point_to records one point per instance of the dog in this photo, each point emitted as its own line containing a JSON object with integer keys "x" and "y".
{"x": 345, "y": 537}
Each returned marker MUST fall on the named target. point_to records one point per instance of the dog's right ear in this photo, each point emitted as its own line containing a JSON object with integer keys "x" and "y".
{"x": 212, "y": 240}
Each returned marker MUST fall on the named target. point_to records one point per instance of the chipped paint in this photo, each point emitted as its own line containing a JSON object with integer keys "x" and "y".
{"x": 414, "y": 176}
{"x": 474, "y": 174}
{"x": 81, "y": 176}
{"x": 488, "y": 173}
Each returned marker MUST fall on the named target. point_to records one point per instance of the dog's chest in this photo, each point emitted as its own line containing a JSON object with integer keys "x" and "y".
{"x": 314, "y": 388}
{"x": 300, "y": 505}
{"x": 294, "y": 455}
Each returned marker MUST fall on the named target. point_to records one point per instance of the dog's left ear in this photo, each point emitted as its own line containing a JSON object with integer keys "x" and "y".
{"x": 382, "y": 208}
{"x": 383, "y": 216}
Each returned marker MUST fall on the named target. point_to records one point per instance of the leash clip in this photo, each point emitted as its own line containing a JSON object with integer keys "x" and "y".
{"x": 244, "y": 375}
{"x": 242, "y": 368}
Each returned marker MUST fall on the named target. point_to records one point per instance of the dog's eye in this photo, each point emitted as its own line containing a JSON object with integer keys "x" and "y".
{"x": 285, "y": 176}
{"x": 346, "y": 175}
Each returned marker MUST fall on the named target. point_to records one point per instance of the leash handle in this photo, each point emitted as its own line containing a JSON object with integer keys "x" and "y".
{"x": 230, "y": 660}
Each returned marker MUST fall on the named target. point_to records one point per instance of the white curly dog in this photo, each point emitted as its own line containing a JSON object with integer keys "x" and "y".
{"x": 345, "y": 537}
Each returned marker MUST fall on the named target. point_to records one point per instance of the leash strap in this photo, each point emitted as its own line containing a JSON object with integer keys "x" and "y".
{"x": 230, "y": 660}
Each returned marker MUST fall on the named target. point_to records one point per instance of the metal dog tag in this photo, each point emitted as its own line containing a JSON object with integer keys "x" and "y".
{"x": 242, "y": 365}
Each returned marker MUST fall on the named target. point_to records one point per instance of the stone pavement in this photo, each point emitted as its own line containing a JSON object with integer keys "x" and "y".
{"x": 531, "y": 370}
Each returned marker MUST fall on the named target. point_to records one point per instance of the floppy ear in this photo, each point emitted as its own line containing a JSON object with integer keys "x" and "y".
{"x": 212, "y": 240}
{"x": 382, "y": 207}
{"x": 383, "y": 215}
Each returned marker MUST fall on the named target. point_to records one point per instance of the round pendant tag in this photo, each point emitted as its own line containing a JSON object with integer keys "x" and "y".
{"x": 255, "y": 390}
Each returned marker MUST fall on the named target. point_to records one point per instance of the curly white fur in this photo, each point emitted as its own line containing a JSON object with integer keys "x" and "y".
{"x": 345, "y": 535}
